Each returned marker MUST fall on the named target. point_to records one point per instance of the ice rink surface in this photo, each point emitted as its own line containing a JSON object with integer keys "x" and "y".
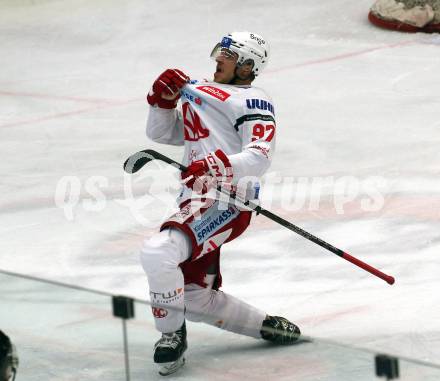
{"x": 357, "y": 164}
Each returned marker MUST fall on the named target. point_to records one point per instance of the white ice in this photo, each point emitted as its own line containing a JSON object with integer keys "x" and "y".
{"x": 357, "y": 106}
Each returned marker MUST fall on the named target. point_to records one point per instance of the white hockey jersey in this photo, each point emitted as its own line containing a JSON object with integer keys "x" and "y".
{"x": 239, "y": 120}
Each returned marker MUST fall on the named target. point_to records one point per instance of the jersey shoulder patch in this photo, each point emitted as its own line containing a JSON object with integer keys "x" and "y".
{"x": 214, "y": 91}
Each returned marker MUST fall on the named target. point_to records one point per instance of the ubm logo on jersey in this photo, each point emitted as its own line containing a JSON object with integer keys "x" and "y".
{"x": 260, "y": 104}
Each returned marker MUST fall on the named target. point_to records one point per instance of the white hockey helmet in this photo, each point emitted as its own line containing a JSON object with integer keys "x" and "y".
{"x": 248, "y": 46}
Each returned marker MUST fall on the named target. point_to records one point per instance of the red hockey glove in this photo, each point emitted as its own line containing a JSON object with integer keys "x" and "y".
{"x": 165, "y": 90}
{"x": 212, "y": 171}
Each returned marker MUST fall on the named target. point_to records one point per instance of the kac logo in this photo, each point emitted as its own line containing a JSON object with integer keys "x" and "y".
{"x": 193, "y": 124}
{"x": 159, "y": 313}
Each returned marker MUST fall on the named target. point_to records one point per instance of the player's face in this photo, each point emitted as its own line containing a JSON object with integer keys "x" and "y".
{"x": 225, "y": 69}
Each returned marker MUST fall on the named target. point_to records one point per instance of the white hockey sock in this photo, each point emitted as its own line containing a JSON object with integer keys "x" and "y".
{"x": 160, "y": 258}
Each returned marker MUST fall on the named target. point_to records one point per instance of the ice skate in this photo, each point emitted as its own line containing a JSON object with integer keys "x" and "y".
{"x": 279, "y": 330}
{"x": 169, "y": 351}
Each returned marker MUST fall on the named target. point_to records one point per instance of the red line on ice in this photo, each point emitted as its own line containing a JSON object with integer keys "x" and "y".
{"x": 340, "y": 57}
{"x": 56, "y": 97}
{"x": 70, "y": 113}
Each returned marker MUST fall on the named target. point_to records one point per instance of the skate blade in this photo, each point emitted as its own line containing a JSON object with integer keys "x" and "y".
{"x": 170, "y": 367}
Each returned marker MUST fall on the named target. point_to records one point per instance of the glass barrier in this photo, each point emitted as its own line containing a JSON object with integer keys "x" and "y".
{"x": 410, "y": 370}
{"x": 60, "y": 333}
{"x": 219, "y": 355}
{"x": 64, "y": 333}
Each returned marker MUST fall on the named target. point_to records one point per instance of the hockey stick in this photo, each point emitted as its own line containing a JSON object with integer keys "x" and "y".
{"x": 136, "y": 161}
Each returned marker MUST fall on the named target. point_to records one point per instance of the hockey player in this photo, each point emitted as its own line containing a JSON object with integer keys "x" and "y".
{"x": 227, "y": 128}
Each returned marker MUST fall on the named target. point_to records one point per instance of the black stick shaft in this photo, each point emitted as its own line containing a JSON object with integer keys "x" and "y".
{"x": 139, "y": 159}
{"x": 365, "y": 266}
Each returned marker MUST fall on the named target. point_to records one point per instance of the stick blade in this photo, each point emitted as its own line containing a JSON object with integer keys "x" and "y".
{"x": 136, "y": 161}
